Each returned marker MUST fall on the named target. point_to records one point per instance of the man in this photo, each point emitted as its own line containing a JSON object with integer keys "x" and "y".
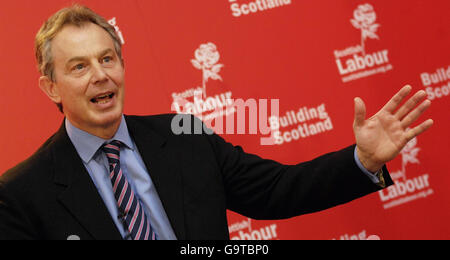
{"x": 104, "y": 175}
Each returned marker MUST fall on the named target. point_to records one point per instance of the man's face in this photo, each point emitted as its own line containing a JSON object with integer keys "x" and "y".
{"x": 89, "y": 76}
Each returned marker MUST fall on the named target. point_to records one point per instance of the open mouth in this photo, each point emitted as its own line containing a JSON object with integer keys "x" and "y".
{"x": 102, "y": 99}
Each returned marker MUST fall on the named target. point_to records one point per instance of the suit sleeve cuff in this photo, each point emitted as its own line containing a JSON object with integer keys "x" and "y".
{"x": 376, "y": 178}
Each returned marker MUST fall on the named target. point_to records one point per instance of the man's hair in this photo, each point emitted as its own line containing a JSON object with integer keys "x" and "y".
{"x": 76, "y": 15}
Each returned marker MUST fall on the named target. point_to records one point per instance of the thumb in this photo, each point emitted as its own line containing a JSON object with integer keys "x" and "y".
{"x": 360, "y": 112}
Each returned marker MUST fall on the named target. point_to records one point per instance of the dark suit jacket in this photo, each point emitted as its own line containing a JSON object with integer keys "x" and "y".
{"x": 198, "y": 177}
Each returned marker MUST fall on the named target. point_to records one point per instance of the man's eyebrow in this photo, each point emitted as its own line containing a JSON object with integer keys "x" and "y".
{"x": 81, "y": 58}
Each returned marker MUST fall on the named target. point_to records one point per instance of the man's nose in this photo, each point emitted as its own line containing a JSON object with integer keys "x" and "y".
{"x": 99, "y": 74}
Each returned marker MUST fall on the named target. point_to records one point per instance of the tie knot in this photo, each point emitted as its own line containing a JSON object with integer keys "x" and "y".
{"x": 112, "y": 151}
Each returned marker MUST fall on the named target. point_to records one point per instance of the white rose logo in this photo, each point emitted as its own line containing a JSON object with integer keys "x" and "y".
{"x": 409, "y": 155}
{"x": 206, "y": 59}
{"x": 364, "y": 20}
{"x": 113, "y": 22}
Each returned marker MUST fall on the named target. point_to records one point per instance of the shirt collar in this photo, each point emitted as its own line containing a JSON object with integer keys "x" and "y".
{"x": 87, "y": 144}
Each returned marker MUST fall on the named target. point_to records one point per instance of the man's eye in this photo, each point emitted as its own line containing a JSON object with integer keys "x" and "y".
{"x": 78, "y": 67}
{"x": 107, "y": 59}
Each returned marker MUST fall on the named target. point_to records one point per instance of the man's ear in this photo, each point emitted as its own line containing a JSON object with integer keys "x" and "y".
{"x": 50, "y": 89}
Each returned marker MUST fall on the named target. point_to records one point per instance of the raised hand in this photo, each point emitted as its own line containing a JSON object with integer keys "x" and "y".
{"x": 380, "y": 138}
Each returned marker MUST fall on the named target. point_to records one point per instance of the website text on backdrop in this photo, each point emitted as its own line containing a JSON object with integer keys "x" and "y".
{"x": 105, "y": 175}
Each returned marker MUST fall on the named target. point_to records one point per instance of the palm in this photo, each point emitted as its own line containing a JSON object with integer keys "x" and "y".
{"x": 380, "y": 138}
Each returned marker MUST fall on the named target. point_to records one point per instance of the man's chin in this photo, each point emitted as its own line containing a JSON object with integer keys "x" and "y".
{"x": 107, "y": 120}
{"x": 101, "y": 121}
{"x": 103, "y": 124}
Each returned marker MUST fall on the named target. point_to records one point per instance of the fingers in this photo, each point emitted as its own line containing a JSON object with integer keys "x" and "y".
{"x": 411, "y": 104}
{"x": 419, "y": 129}
{"x": 392, "y": 105}
{"x": 360, "y": 112}
{"x": 415, "y": 114}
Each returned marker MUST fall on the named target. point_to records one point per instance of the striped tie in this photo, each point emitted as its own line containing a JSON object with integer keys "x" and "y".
{"x": 131, "y": 213}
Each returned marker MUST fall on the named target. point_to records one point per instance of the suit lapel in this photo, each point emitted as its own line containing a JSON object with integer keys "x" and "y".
{"x": 163, "y": 169}
{"x": 80, "y": 197}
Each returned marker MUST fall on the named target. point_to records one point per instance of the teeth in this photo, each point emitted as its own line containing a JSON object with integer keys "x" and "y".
{"x": 102, "y": 102}
{"x": 102, "y": 99}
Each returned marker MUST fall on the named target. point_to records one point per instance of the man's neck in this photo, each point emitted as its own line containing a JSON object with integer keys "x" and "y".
{"x": 105, "y": 132}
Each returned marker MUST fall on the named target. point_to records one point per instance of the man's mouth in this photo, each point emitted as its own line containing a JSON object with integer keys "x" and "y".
{"x": 103, "y": 99}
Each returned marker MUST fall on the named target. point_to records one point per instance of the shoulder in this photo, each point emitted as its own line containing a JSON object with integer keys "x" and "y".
{"x": 32, "y": 171}
{"x": 161, "y": 121}
{"x": 171, "y": 125}
{"x": 183, "y": 131}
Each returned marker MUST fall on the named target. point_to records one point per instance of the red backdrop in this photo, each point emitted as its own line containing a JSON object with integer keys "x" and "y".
{"x": 307, "y": 54}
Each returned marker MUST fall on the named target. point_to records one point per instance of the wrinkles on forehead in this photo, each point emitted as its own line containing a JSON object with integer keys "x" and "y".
{"x": 76, "y": 43}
